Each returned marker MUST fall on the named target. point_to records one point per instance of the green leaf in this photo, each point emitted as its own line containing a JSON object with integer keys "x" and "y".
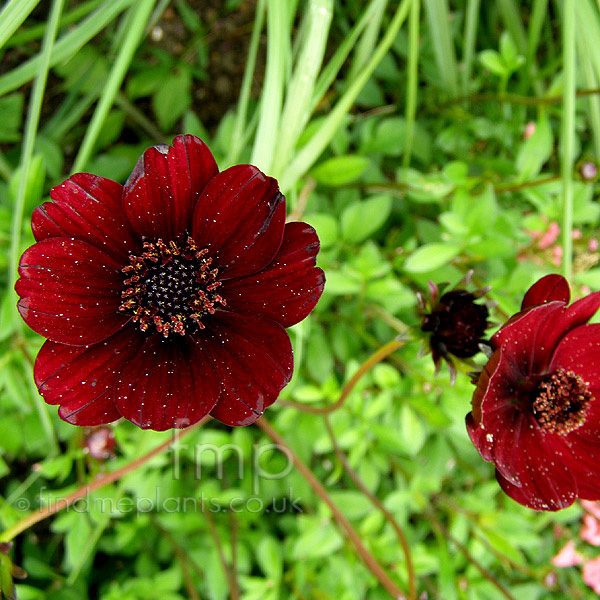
{"x": 341, "y": 283}
{"x": 11, "y": 114}
{"x": 326, "y": 226}
{"x": 319, "y": 359}
{"x": 493, "y": 62}
{"x": 536, "y": 150}
{"x": 412, "y": 432}
{"x": 270, "y": 558}
{"x": 361, "y": 219}
{"x": 430, "y": 257}
{"x": 172, "y": 99}
{"x": 340, "y": 170}
{"x": 317, "y": 542}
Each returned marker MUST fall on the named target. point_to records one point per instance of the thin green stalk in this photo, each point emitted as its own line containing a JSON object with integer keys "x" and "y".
{"x": 511, "y": 16}
{"x": 309, "y": 153}
{"x": 593, "y": 102}
{"x": 68, "y": 18}
{"x": 539, "y": 14}
{"x": 470, "y": 38}
{"x": 12, "y": 16}
{"x": 69, "y": 114}
{"x": 275, "y": 76}
{"x": 368, "y": 41}
{"x": 242, "y": 108}
{"x": 438, "y": 16}
{"x": 413, "y": 79}
{"x": 66, "y": 46}
{"x": 296, "y": 110}
{"x": 568, "y": 133}
{"x": 31, "y": 126}
{"x": 331, "y": 70}
{"x": 139, "y": 15}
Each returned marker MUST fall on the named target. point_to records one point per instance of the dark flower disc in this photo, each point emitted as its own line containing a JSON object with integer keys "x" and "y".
{"x": 167, "y": 299}
{"x": 457, "y": 325}
{"x": 536, "y": 409}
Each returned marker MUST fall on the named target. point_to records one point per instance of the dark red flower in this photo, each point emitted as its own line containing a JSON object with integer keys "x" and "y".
{"x": 455, "y": 322}
{"x": 536, "y": 409}
{"x": 166, "y": 299}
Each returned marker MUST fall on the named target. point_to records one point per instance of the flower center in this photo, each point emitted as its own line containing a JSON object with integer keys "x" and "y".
{"x": 457, "y": 324}
{"x": 170, "y": 287}
{"x": 561, "y": 402}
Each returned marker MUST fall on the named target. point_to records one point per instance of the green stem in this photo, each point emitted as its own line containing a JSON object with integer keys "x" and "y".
{"x": 31, "y": 126}
{"x": 568, "y": 133}
{"x": 413, "y": 79}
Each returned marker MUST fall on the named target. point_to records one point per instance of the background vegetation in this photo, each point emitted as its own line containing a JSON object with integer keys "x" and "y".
{"x": 422, "y": 139}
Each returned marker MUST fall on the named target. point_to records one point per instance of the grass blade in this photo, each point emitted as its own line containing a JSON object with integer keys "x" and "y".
{"x": 443, "y": 44}
{"x": 242, "y": 109}
{"x": 138, "y": 18}
{"x": 31, "y": 127}
{"x": 12, "y": 16}
{"x": 299, "y": 94}
{"x": 278, "y": 49}
{"x": 471, "y": 23}
{"x": 568, "y": 133}
{"x": 413, "y": 78}
{"x": 318, "y": 142}
{"x": 335, "y": 63}
{"x": 68, "y": 45}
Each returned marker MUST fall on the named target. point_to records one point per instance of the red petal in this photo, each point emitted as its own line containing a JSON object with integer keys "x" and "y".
{"x": 579, "y": 351}
{"x": 252, "y": 357}
{"x": 240, "y": 217}
{"x": 87, "y": 208}
{"x": 81, "y": 379}
{"x": 161, "y": 192}
{"x": 529, "y": 338}
{"x": 289, "y": 288}
{"x": 70, "y": 292}
{"x": 546, "y": 483}
{"x": 584, "y": 444}
{"x": 166, "y": 384}
{"x": 544, "y": 480}
{"x": 548, "y": 289}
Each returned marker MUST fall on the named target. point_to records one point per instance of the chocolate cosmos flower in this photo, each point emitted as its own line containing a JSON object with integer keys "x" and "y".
{"x": 166, "y": 299}
{"x": 454, "y": 323}
{"x": 536, "y": 409}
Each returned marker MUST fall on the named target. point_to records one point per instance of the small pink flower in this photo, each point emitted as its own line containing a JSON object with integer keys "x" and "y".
{"x": 590, "y": 532}
{"x": 557, "y": 253}
{"x": 577, "y": 235}
{"x": 592, "y": 507}
{"x": 550, "y": 236}
{"x": 593, "y": 245}
{"x": 591, "y": 574}
{"x": 529, "y": 130}
{"x": 568, "y": 556}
